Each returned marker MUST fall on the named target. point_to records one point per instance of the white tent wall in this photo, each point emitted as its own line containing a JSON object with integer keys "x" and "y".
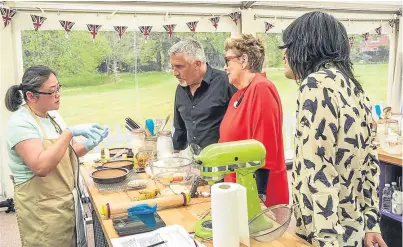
{"x": 354, "y": 17}
{"x": 395, "y": 87}
{"x": 9, "y": 68}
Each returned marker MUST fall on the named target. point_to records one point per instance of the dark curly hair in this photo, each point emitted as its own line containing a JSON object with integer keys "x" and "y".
{"x": 315, "y": 39}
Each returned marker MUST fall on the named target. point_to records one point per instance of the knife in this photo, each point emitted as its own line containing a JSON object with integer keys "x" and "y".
{"x": 132, "y": 123}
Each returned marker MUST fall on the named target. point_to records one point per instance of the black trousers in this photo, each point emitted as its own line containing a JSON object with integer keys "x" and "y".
{"x": 262, "y": 177}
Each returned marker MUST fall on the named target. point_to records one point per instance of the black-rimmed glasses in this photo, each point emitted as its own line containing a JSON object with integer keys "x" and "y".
{"x": 57, "y": 90}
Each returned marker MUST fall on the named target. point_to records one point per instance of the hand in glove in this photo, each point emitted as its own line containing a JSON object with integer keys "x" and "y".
{"x": 93, "y": 131}
{"x": 92, "y": 143}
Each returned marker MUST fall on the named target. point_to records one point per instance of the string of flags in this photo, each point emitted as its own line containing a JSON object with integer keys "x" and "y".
{"x": 37, "y": 21}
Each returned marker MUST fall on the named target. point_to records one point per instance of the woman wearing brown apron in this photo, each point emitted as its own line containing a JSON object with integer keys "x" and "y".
{"x": 44, "y": 163}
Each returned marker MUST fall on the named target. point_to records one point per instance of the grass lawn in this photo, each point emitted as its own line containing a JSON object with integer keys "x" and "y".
{"x": 110, "y": 103}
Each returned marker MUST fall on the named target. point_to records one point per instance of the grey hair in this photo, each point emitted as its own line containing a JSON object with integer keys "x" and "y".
{"x": 32, "y": 80}
{"x": 190, "y": 48}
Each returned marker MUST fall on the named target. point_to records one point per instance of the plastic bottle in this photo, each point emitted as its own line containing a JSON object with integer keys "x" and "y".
{"x": 387, "y": 198}
{"x": 394, "y": 187}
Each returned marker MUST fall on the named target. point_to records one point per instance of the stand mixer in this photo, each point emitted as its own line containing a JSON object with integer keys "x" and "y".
{"x": 241, "y": 157}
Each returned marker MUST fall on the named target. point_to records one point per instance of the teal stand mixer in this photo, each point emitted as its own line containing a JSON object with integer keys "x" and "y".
{"x": 241, "y": 157}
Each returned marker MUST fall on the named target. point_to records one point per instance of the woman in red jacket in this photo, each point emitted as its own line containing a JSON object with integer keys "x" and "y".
{"x": 254, "y": 112}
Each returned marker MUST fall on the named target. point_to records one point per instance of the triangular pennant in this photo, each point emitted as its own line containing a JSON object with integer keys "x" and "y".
{"x": 365, "y": 36}
{"x": 121, "y": 30}
{"x": 170, "y": 29}
{"x": 235, "y": 16}
{"x": 67, "y": 25}
{"x": 93, "y": 29}
{"x": 351, "y": 41}
{"x": 7, "y": 15}
{"x": 192, "y": 25}
{"x": 378, "y": 30}
{"x": 267, "y": 26}
{"x": 37, "y": 21}
{"x": 145, "y": 30}
{"x": 215, "y": 21}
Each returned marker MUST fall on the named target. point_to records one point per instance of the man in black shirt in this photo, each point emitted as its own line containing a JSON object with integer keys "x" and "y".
{"x": 201, "y": 97}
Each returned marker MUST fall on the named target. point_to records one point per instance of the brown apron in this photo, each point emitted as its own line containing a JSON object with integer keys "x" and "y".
{"x": 45, "y": 206}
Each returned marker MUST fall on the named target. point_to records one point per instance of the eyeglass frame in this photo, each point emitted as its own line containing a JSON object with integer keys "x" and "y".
{"x": 48, "y": 93}
{"x": 229, "y": 58}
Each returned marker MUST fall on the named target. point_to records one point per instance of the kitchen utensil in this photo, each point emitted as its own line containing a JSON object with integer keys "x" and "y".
{"x": 127, "y": 164}
{"x": 128, "y": 128}
{"x": 170, "y": 164}
{"x": 125, "y": 227}
{"x": 132, "y": 124}
{"x": 271, "y": 223}
{"x": 109, "y": 175}
{"x": 378, "y": 111}
{"x": 114, "y": 151}
{"x": 113, "y": 209}
{"x": 150, "y": 126}
{"x": 118, "y": 154}
{"x": 166, "y": 121}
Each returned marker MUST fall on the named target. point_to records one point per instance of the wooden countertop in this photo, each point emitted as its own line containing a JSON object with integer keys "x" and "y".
{"x": 185, "y": 216}
{"x": 395, "y": 159}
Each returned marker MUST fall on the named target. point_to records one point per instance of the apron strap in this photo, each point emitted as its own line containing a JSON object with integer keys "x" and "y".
{"x": 72, "y": 154}
{"x": 37, "y": 121}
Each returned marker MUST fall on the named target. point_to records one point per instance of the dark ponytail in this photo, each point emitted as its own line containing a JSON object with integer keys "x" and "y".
{"x": 32, "y": 80}
{"x": 13, "y": 98}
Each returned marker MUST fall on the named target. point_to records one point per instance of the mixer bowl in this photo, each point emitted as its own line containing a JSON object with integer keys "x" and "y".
{"x": 170, "y": 164}
{"x": 271, "y": 223}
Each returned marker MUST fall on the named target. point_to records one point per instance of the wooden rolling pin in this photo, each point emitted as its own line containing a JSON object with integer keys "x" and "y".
{"x": 111, "y": 209}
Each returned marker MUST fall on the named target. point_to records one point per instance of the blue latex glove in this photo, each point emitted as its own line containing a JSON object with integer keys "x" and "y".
{"x": 92, "y": 143}
{"x": 87, "y": 130}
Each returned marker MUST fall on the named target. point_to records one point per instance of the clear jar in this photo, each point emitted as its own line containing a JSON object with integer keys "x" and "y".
{"x": 164, "y": 145}
{"x": 137, "y": 140}
{"x": 151, "y": 143}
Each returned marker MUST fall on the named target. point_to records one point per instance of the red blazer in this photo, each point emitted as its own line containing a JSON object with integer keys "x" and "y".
{"x": 259, "y": 116}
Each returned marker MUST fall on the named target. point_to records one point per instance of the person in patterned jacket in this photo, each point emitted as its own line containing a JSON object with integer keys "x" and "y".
{"x": 336, "y": 168}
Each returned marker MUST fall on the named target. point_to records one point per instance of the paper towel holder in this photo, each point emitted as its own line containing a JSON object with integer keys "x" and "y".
{"x": 242, "y": 157}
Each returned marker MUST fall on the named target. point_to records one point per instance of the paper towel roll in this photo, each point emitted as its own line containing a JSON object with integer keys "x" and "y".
{"x": 229, "y": 214}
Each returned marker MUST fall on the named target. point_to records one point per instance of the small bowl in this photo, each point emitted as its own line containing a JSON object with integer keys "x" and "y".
{"x": 170, "y": 164}
{"x": 271, "y": 223}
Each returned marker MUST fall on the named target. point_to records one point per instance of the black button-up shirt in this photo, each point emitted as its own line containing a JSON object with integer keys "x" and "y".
{"x": 197, "y": 118}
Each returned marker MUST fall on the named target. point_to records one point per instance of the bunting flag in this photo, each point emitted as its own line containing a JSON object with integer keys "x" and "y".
{"x": 192, "y": 25}
{"x": 145, "y": 30}
{"x": 67, "y": 25}
{"x": 93, "y": 29}
{"x": 378, "y": 30}
{"x": 121, "y": 30}
{"x": 7, "y": 15}
{"x": 268, "y": 26}
{"x": 215, "y": 21}
{"x": 170, "y": 29}
{"x": 351, "y": 41}
{"x": 365, "y": 36}
{"x": 37, "y": 21}
{"x": 235, "y": 16}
